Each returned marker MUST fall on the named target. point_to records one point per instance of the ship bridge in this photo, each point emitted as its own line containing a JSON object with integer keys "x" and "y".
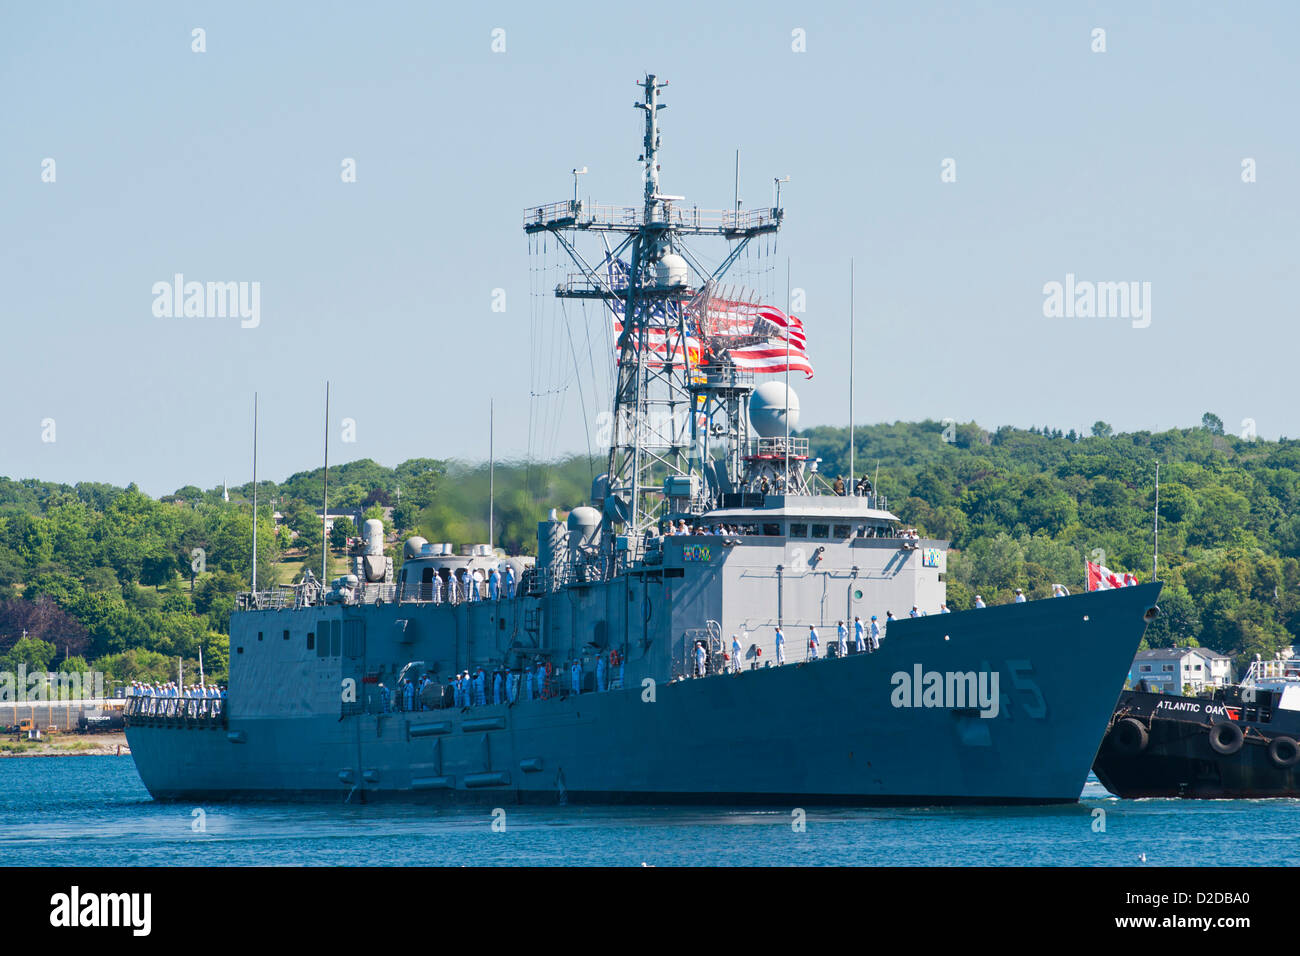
{"x": 806, "y": 516}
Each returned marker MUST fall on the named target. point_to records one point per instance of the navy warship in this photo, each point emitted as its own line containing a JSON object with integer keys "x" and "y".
{"x": 677, "y": 639}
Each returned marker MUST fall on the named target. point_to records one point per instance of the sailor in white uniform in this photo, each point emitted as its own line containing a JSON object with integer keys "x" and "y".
{"x": 780, "y": 648}
{"x": 859, "y": 645}
{"x": 494, "y": 584}
{"x": 510, "y": 581}
{"x": 436, "y": 588}
{"x": 842, "y": 633}
{"x": 813, "y": 643}
{"x": 875, "y": 633}
{"x": 701, "y": 657}
{"x": 735, "y": 654}
{"x": 979, "y": 601}
{"x": 1020, "y": 596}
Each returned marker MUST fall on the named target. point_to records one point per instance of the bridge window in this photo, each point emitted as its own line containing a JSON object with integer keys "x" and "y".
{"x": 798, "y": 530}
{"x": 323, "y": 645}
{"x": 843, "y": 531}
{"x": 336, "y": 639}
{"x": 821, "y": 530}
{"x": 772, "y": 530}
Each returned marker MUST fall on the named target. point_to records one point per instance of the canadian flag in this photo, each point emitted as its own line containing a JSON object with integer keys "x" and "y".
{"x": 1102, "y": 578}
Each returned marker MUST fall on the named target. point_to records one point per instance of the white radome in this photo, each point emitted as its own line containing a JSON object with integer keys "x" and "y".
{"x": 671, "y": 270}
{"x": 767, "y": 410}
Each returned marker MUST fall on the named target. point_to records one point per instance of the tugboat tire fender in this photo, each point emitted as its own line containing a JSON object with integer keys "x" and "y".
{"x": 1128, "y": 736}
{"x": 1284, "y": 752}
{"x": 1226, "y": 738}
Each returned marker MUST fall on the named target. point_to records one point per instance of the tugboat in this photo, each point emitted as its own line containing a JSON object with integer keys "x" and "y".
{"x": 1239, "y": 743}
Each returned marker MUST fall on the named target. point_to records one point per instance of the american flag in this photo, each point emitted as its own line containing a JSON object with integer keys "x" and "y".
{"x": 720, "y": 328}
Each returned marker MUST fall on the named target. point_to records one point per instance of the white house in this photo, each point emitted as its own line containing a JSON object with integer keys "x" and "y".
{"x": 1169, "y": 669}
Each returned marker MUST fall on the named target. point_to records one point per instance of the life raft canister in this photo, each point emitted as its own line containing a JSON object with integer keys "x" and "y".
{"x": 1128, "y": 736}
{"x": 1226, "y": 738}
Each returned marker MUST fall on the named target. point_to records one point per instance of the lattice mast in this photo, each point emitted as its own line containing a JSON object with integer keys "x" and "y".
{"x": 654, "y": 436}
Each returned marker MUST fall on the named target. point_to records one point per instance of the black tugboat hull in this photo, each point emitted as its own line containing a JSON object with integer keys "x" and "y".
{"x": 1176, "y": 756}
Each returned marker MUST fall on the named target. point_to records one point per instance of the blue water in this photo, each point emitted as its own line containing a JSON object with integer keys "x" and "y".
{"x": 94, "y": 811}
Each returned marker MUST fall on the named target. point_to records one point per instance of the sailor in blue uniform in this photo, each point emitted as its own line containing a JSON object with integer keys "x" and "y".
{"x": 701, "y": 659}
{"x": 600, "y": 672}
{"x": 842, "y": 633}
{"x": 812, "y": 642}
{"x": 494, "y": 584}
{"x": 576, "y": 671}
{"x": 528, "y": 682}
{"x": 383, "y": 699}
{"x": 859, "y": 645}
{"x": 875, "y": 633}
{"x": 780, "y": 647}
{"x": 542, "y": 689}
{"x": 408, "y": 696}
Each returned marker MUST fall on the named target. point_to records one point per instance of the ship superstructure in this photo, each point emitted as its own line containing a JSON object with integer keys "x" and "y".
{"x": 658, "y": 647}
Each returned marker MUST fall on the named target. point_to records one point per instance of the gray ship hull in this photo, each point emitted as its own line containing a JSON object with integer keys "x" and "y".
{"x": 842, "y": 731}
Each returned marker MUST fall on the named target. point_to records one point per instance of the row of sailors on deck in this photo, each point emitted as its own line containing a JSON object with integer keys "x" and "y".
{"x": 866, "y": 638}
{"x": 470, "y": 588}
{"x": 538, "y": 681}
{"x": 167, "y": 698}
{"x": 682, "y": 528}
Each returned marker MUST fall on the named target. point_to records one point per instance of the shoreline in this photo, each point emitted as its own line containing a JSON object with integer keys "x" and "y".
{"x": 67, "y": 745}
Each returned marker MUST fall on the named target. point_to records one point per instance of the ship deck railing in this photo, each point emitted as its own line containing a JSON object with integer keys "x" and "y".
{"x": 155, "y": 710}
{"x": 584, "y": 214}
{"x": 1273, "y": 670}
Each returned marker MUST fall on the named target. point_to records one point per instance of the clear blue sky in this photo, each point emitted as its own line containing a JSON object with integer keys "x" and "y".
{"x": 224, "y": 166}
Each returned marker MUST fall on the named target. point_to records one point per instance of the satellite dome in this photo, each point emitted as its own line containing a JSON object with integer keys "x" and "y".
{"x": 671, "y": 270}
{"x": 767, "y": 409}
